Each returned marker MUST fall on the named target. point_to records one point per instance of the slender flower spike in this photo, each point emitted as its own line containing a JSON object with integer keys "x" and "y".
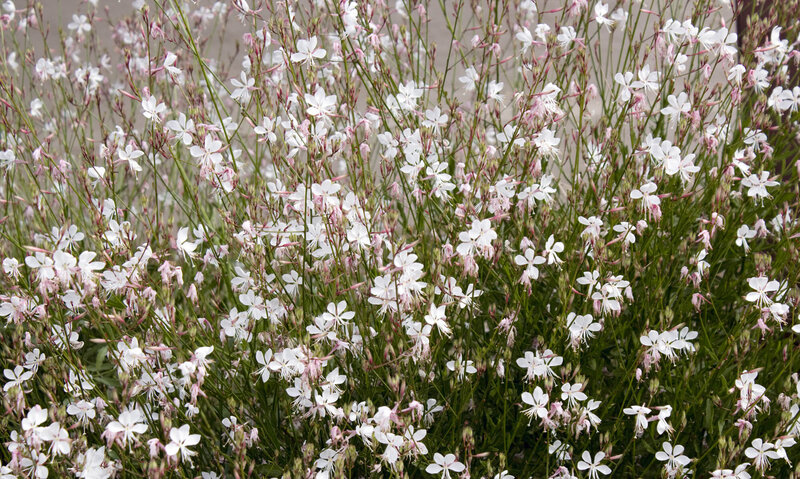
{"x": 444, "y": 465}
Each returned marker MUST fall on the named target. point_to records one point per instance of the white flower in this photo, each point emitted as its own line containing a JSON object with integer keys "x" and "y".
{"x": 128, "y": 425}
{"x": 83, "y": 410}
{"x": 641, "y": 413}
{"x": 539, "y": 365}
{"x": 736, "y": 73}
{"x": 594, "y": 467}
{"x": 673, "y": 456}
{"x": 526, "y": 38}
{"x": 662, "y": 426}
{"x": 308, "y": 52}
{"x": 626, "y": 231}
{"x": 551, "y": 250}
{"x": 647, "y": 80}
{"x": 7, "y": 159}
{"x": 16, "y": 377}
{"x": 169, "y": 64}
{"x": 677, "y": 105}
{"x": 444, "y": 464}
{"x": 510, "y": 134}
{"x": 434, "y": 119}
{"x": 560, "y": 450}
{"x": 761, "y": 452}
{"x": 36, "y": 465}
{"x": 572, "y": 393}
{"x": 537, "y": 402}
{"x": 181, "y": 440}
{"x": 185, "y": 247}
{"x": 97, "y": 173}
{"x": 183, "y": 128}
{"x": 581, "y": 328}
{"x": 530, "y": 260}
{"x": 757, "y": 185}
{"x": 436, "y": 317}
{"x": 542, "y": 30}
{"x": 151, "y": 109}
{"x": 461, "y": 367}
{"x": 493, "y": 91}
{"x": 243, "y": 85}
{"x": 478, "y": 239}
{"x": 762, "y": 286}
{"x": 469, "y": 79}
{"x": 80, "y": 24}
{"x": 781, "y": 444}
{"x": 209, "y": 154}
{"x": 92, "y": 461}
{"x": 619, "y": 16}
{"x": 624, "y": 80}
{"x": 263, "y": 359}
{"x": 566, "y": 36}
{"x": 547, "y": 143}
{"x": 129, "y": 155}
{"x": 600, "y": 12}
{"x": 594, "y": 227}
{"x": 320, "y": 104}
{"x": 35, "y": 418}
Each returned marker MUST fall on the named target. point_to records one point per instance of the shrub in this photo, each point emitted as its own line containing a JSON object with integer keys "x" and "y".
{"x": 351, "y": 239}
